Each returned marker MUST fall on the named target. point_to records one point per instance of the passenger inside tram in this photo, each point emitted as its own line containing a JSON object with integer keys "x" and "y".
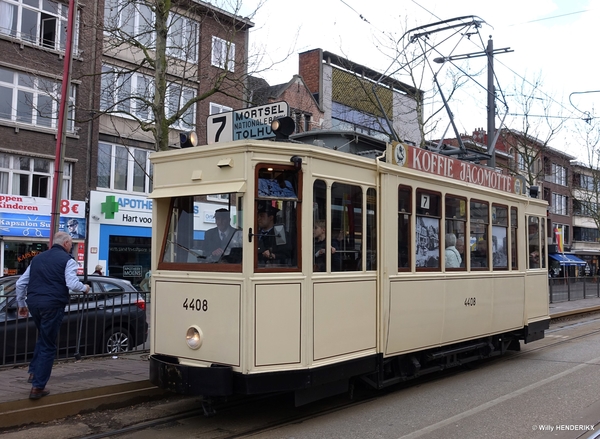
{"x": 274, "y": 247}
{"x": 452, "y": 255}
{"x": 320, "y": 249}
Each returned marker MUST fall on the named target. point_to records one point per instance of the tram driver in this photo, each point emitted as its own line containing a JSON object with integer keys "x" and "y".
{"x": 273, "y": 245}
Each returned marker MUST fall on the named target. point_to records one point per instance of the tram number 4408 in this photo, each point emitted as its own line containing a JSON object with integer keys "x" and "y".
{"x": 195, "y": 304}
{"x": 470, "y": 301}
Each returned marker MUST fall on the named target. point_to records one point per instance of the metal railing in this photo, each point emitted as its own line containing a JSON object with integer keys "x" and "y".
{"x": 94, "y": 325}
{"x": 563, "y": 289}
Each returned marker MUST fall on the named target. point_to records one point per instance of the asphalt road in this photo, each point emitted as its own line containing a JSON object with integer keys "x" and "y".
{"x": 550, "y": 385}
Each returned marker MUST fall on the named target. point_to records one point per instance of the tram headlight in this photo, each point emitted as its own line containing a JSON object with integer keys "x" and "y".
{"x": 194, "y": 337}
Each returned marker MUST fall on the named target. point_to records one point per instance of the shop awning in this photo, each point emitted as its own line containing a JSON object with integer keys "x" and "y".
{"x": 567, "y": 259}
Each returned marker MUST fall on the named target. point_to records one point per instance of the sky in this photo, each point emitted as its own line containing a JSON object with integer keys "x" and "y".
{"x": 551, "y": 40}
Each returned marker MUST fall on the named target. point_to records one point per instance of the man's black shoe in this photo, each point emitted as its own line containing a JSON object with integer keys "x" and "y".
{"x": 37, "y": 393}
{"x": 30, "y": 379}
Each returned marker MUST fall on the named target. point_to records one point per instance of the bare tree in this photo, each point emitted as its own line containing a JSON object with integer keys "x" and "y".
{"x": 162, "y": 58}
{"x": 534, "y": 126}
{"x": 585, "y": 185}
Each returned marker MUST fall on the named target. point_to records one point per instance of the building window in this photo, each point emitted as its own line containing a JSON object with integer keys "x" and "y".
{"x": 217, "y": 108}
{"x": 43, "y": 25}
{"x": 122, "y": 168}
{"x": 177, "y": 97}
{"x": 558, "y": 175}
{"x": 31, "y": 176}
{"x": 559, "y": 204}
{"x": 32, "y": 100}
{"x": 223, "y": 54}
{"x": 126, "y": 92}
{"x": 182, "y": 38}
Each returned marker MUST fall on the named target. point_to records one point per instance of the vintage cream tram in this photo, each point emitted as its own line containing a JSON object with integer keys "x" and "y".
{"x": 334, "y": 266}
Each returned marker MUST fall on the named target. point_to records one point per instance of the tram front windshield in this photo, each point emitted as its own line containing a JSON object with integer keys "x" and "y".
{"x": 204, "y": 230}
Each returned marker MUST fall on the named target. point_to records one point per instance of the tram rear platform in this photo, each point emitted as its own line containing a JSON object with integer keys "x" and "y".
{"x": 104, "y": 382}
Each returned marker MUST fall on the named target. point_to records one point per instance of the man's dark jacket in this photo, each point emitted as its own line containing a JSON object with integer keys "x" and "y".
{"x": 47, "y": 286}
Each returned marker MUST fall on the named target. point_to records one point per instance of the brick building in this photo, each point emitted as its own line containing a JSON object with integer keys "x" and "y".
{"x": 106, "y": 166}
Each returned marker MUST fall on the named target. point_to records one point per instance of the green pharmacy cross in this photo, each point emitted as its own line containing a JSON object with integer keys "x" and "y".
{"x": 110, "y": 207}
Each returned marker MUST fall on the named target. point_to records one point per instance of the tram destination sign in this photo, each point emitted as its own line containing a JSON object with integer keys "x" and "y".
{"x": 445, "y": 166}
{"x": 247, "y": 123}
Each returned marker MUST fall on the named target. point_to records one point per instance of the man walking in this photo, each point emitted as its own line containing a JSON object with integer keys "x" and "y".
{"x": 43, "y": 291}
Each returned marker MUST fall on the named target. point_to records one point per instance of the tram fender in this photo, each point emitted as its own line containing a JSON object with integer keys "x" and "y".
{"x": 535, "y": 330}
{"x": 167, "y": 373}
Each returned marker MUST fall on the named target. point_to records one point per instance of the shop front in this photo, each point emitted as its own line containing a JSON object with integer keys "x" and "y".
{"x": 120, "y": 236}
{"x": 25, "y": 230}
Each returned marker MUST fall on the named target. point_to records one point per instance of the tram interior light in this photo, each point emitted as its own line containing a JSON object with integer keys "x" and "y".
{"x": 188, "y": 140}
{"x": 534, "y": 191}
{"x": 283, "y": 127}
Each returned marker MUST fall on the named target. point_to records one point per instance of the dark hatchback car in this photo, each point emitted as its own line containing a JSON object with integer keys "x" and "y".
{"x": 114, "y": 320}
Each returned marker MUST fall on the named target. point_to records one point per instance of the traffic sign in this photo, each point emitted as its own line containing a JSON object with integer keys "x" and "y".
{"x": 247, "y": 123}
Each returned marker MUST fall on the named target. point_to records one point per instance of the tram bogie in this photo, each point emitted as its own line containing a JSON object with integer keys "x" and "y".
{"x": 291, "y": 267}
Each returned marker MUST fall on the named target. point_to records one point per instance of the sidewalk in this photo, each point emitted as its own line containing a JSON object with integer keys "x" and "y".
{"x": 77, "y": 386}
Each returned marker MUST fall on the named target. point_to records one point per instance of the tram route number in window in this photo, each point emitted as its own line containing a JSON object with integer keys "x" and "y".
{"x": 195, "y": 304}
{"x": 470, "y": 301}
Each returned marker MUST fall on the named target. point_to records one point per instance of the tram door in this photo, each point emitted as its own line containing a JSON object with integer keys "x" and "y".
{"x": 278, "y": 289}
{"x": 343, "y": 267}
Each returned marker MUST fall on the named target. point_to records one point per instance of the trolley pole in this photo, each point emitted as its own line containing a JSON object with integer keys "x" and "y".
{"x": 491, "y": 105}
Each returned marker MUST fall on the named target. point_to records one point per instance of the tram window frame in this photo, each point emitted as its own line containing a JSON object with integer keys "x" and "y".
{"x": 479, "y": 221}
{"x": 353, "y": 250}
{"x": 455, "y": 214}
{"x": 404, "y": 226}
{"x": 499, "y": 232}
{"x": 428, "y": 217}
{"x": 371, "y": 236}
{"x": 193, "y": 247}
{"x": 285, "y": 206}
{"x": 320, "y": 219}
{"x": 514, "y": 226}
{"x": 543, "y": 245}
{"x": 533, "y": 242}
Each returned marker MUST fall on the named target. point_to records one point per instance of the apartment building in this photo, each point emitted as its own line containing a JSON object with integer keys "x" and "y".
{"x": 110, "y": 119}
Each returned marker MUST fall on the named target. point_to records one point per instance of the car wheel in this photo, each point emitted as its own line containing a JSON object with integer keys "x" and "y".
{"x": 117, "y": 340}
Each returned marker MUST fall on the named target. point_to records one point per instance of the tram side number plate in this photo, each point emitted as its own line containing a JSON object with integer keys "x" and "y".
{"x": 470, "y": 301}
{"x": 192, "y": 304}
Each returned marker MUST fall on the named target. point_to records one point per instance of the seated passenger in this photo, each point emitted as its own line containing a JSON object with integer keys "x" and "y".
{"x": 273, "y": 245}
{"x": 452, "y": 255}
{"x": 320, "y": 249}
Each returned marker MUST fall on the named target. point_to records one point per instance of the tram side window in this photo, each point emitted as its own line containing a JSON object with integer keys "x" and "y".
{"x": 324, "y": 248}
{"x": 346, "y": 221}
{"x": 514, "y": 261}
{"x": 371, "y": 255}
{"x": 543, "y": 243}
{"x": 404, "y": 215}
{"x": 454, "y": 243}
{"x": 533, "y": 242}
{"x": 193, "y": 237}
{"x": 277, "y": 228}
{"x": 499, "y": 235}
{"x": 428, "y": 230}
{"x": 479, "y": 245}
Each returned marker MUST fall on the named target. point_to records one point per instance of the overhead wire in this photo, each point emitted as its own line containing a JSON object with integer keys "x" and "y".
{"x": 572, "y": 115}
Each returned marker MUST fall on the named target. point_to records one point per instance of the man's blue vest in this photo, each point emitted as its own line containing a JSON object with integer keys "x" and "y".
{"x": 47, "y": 286}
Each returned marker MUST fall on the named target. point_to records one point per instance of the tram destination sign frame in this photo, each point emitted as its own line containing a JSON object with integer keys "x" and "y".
{"x": 246, "y": 123}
